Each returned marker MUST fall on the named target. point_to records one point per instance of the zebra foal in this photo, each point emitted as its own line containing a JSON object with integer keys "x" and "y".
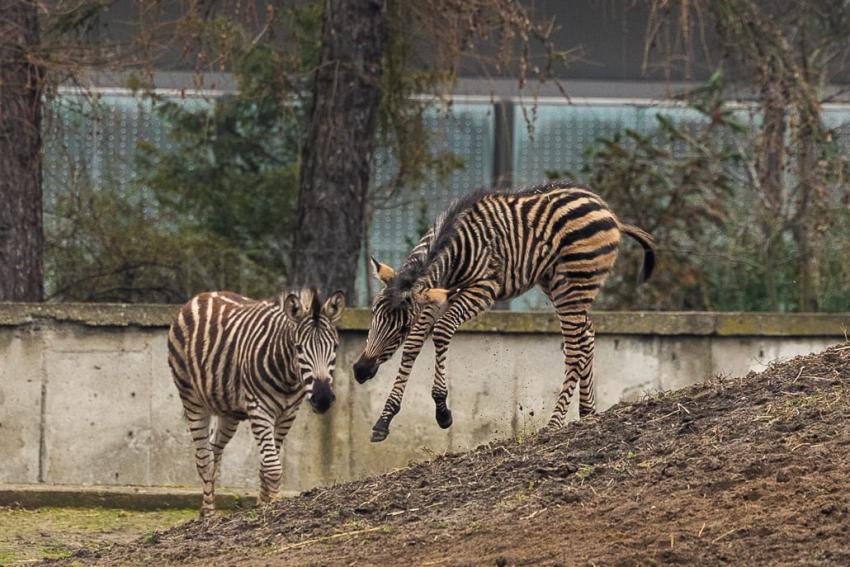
{"x": 493, "y": 246}
{"x": 240, "y": 359}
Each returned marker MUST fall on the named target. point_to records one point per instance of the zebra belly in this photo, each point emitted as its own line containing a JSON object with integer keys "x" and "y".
{"x": 523, "y": 272}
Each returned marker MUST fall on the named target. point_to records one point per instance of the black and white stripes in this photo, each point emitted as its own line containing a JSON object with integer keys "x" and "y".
{"x": 489, "y": 247}
{"x": 236, "y": 358}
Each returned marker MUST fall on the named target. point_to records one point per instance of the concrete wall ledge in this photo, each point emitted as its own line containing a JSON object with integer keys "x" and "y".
{"x": 665, "y": 323}
{"x": 126, "y": 497}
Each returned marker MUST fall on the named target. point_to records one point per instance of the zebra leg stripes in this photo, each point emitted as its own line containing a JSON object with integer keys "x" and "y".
{"x": 412, "y": 347}
{"x": 464, "y": 306}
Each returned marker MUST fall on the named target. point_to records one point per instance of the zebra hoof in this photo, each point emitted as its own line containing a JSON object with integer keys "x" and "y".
{"x": 379, "y": 432}
{"x": 444, "y": 418}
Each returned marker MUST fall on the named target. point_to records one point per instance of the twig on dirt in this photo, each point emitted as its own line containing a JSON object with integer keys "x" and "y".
{"x": 672, "y": 540}
{"x": 820, "y": 378}
{"x": 718, "y": 538}
{"x": 683, "y": 408}
{"x": 701, "y": 530}
{"x": 674, "y": 412}
{"x": 536, "y": 512}
{"x": 800, "y": 373}
{"x": 370, "y": 500}
{"x": 328, "y": 538}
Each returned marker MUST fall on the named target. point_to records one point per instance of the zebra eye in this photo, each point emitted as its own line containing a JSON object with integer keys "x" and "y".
{"x": 404, "y": 328}
{"x": 299, "y": 349}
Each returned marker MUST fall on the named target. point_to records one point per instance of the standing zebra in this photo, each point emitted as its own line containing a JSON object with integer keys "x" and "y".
{"x": 238, "y": 359}
{"x": 488, "y": 247}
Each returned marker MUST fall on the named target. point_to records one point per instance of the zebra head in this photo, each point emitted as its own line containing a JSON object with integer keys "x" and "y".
{"x": 394, "y": 311}
{"x": 316, "y": 340}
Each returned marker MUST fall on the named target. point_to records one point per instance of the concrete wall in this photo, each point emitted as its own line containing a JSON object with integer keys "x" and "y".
{"x": 86, "y": 396}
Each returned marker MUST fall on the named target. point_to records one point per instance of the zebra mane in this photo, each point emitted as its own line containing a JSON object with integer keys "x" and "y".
{"x": 445, "y": 227}
{"x": 315, "y": 305}
{"x": 543, "y": 187}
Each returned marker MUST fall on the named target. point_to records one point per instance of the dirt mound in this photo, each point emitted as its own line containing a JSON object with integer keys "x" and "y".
{"x": 750, "y": 470}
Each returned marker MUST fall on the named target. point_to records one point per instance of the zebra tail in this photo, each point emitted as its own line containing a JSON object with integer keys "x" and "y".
{"x": 648, "y": 244}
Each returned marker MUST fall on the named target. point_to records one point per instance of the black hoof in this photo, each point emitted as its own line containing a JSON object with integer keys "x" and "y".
{"x": 583, "y": 413}
{"x": 379, "y": 435}
{"x": 380, "y": 431}
{"x": 444, "y": 418}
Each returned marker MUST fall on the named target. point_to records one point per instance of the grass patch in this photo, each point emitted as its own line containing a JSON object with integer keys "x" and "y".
{"x": 51, "y": 533}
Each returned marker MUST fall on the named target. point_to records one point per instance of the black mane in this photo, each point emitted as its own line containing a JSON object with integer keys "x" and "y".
{"x": 316, "y": 306}
{"x": 542, "y": 188}
{"x": 445, "y": 229}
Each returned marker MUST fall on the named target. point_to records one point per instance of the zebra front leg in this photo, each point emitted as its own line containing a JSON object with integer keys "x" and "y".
{"x": 281, "y": 429}
{"x": 271, "y": 469}
{"x": 410, "y": 351}
{"x": 465, "y": 305}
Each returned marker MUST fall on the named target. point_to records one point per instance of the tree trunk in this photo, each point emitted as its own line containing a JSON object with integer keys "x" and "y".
{"x": 812, "y": 217}
{"x": 337, "y": 158}
{"x": 771, "y": 166}
{"x": 21, "y": 237}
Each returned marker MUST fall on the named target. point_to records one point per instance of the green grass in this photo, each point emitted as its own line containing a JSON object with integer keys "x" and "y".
{"x": 27, "y": 536}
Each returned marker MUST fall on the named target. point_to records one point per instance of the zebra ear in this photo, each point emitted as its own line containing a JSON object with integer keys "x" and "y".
{"x": 291, "y": 305}
{"x": 434, "y": 295}
{"x": 334, "y": 306}
{"x": 382, "y": 271}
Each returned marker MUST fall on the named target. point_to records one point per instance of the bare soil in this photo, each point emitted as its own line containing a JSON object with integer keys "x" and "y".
{"x": 751, "y": 470}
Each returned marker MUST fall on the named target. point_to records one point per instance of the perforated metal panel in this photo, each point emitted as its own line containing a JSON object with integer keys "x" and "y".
{"x": 560, "y": 137}
{"x": 467, "y": 132}
{"x": 93, "y": 142}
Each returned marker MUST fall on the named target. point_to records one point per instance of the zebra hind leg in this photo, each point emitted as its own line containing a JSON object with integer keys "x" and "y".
{"x": 572, "y": 304}
{"x": 199, "y": 427}
{"x": 225, "y": 429}
{"x": 586, "y": 390}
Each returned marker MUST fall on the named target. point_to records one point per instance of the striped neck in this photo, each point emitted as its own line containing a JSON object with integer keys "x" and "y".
{"x": 283, "y": 358}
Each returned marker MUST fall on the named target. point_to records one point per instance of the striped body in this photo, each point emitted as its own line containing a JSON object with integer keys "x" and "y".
{"x": 240, "y": 359}
{"x": 495, "y": 246}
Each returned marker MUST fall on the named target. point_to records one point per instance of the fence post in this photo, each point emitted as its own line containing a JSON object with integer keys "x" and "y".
{"x": 503, "y": 154}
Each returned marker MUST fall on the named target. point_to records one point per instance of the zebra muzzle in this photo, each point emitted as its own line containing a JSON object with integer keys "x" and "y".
{"x": 322, "y": 396}
{"x": 365, "y": 369}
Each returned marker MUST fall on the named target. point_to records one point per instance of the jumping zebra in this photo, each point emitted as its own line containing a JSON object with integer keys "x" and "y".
{"x": 237, "y": 358}
{"x": 488, "y": 247}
